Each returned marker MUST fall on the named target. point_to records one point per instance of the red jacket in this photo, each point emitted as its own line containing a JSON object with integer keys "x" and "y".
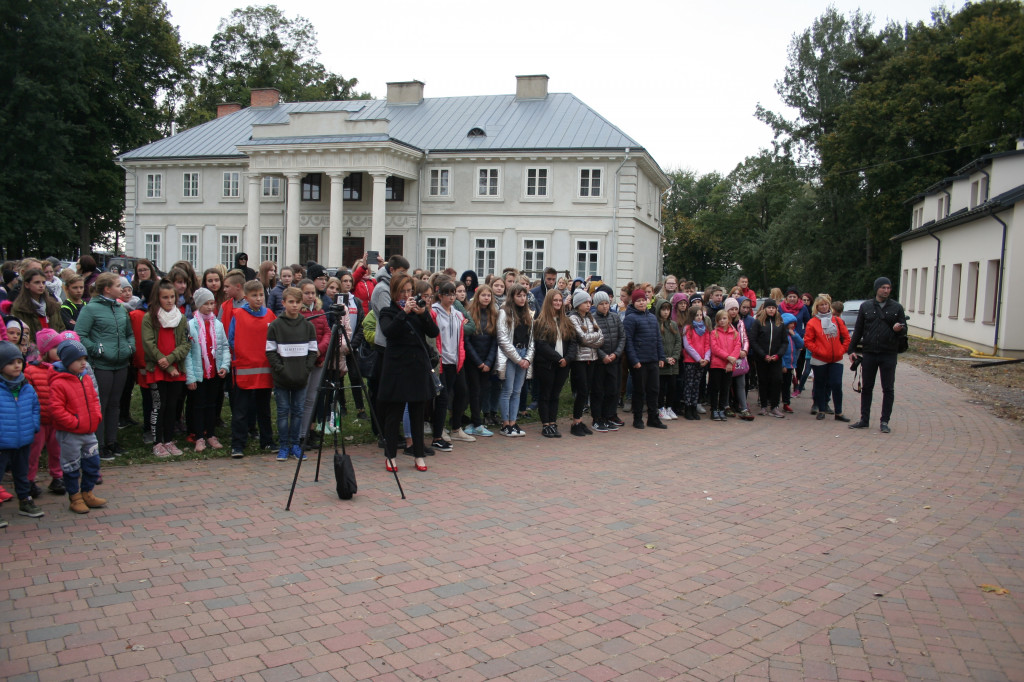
{"x": 73, "y": 403}
{"x": 823, "y": 348}
{"x": 701, "y": 344}
{"x": 724, "y": 344}
{"x": 41, "y": 376}
{"x": 364, "y": 284}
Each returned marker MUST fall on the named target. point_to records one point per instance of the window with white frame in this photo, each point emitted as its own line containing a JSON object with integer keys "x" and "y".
{"x": 190, "y": 185}
{"x": 151, "y": 242}
{"x": 271, "y": 186}
{"x": 536, "y": 182}
{"x": 228, "y": 249}
{"x": 590, "y": 182}
{"x": 991, "y": 302}
{"x": 533, "y": 256}
{"x": 979, "y": 191}
{"x": 232, "y": 185}
{"x": 190, "y": 248}
{"x": 954, "y": 290}
{"x": 485, "y": 254}
{"x": 588, "y": 253}
{"x": 268, "y": 248}
{"x": 440, "y": 182}
{"x": 943, "y": 208}
{"x": 941, "y": 290}
{"x": 154, "y": 185}
{"x": 488, "y": 182}
{"x": 971, "y": 300}
{"x": 922, "y": 291}
{"x": 437, "y": 253}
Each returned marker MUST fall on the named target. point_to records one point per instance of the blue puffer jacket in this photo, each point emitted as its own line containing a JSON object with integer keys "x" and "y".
{"x": 643, "y": 338}
{"x": 19, "y": 413}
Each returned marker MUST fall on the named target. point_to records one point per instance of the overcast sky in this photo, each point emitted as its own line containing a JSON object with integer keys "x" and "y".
{"x": 681, "y": 78}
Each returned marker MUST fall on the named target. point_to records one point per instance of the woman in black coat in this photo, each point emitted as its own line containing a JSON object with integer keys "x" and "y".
{"x": 405, "y": 372}
{"x": 767, "y": 338}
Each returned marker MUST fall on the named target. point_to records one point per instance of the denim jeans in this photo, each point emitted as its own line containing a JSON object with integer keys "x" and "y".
{"x": 508, "y": 405}
{"x": 290, "y": 406}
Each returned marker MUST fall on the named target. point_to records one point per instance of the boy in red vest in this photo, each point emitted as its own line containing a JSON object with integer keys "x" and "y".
{"x": 247, "y": 336}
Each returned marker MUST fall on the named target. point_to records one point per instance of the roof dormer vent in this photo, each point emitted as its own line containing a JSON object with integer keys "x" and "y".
{"x": 476, "y": 132}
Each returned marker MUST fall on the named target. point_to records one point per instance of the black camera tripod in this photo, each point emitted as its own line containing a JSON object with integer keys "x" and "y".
{"x": 329, "y": 393}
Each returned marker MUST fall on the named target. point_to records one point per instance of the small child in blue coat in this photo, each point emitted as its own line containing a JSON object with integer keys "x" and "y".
{"x": 19, "y": 414}
{"x": 790, "y": 356}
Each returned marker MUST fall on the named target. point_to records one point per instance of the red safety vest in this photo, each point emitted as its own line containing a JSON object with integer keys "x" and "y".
{"x": 252, "y": 370}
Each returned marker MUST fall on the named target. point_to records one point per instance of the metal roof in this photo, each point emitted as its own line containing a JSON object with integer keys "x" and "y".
{"x": 996, "y": 204}
{"x": 559, "y": 122}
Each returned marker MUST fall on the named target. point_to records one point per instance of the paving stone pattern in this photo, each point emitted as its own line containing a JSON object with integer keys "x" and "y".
{"x": 781, "y": 550}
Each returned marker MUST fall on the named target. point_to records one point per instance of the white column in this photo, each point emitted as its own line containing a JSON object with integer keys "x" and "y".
{"x": 291, "y": 226}
{"x": 335, "y": 248}
{"x": 172, "y": 248}
{"x": 251, "y": 240}
{"x": 377, "y": 227}
{"x": 209, "y": 250}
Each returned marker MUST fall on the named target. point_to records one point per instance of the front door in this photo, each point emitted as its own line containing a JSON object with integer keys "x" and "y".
{"x": 352, "y": 250}
{"x": 309, "y": 248}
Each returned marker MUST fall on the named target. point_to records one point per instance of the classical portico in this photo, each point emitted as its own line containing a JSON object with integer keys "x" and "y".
{"x": 299, "y": 147}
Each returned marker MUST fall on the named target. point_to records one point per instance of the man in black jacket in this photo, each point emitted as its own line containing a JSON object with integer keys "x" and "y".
{"x": 881, "y": 326}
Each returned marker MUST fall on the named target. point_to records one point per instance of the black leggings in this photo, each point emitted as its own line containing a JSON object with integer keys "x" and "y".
{"x": 170, "y": 395}
{"x": 453, "y": 397}
{"x": 204, "y": 415}
{"x": 550, "y": 380}
{"x": 476, "y": 382}
{"x": 583, "y": 378}
{"x": 719, "y": 383}
{"x": 604, "y": 389}
{"x": 769, "y": 383}
{"x": 393, "y": 412}
{"x": 667, "y": 390}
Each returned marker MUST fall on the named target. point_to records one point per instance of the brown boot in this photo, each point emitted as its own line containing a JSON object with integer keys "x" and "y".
{"x": 78, "y": 504}
{"x": 91, "y": 501}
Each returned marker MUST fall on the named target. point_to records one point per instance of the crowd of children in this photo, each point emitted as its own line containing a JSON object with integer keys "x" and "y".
{"x": 71, "y": 357}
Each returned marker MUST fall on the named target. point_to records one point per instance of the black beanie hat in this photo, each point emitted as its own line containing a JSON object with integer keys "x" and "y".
{"x": 315, "y": 270}
{"x": 881, "y": 282}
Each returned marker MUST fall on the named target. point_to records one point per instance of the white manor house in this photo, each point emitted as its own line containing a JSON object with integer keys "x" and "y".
{"x": 530, "y": 180}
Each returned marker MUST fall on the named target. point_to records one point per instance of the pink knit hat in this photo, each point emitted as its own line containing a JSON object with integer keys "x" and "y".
{"x": 47, "y": 340}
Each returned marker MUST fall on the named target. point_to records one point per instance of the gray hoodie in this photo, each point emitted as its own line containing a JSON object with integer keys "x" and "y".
{"x": 379, "y": 300}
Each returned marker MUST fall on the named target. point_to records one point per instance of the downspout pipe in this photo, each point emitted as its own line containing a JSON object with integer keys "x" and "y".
{"x": 935, "y": 278}
{"x": 615, "y": 217}
{"x": 999, "y": 290}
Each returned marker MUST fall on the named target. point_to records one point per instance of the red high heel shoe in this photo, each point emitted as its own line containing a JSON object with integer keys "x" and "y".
{"x": 389, "y": 466}
{"x": 421, "y": 468}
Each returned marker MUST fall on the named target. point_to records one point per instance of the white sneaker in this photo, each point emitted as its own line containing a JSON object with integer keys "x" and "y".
{"x": 700, "y": 409}
{"x": 662, "y": 415}
{"x": 460, "y": 434}
{"x": 671, "y": 413}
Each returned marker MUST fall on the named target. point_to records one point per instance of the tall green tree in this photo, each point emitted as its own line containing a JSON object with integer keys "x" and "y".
{"x": 696, "y": 243}
{"x": 82, "y": 81}
{"x": 257, "y": 47}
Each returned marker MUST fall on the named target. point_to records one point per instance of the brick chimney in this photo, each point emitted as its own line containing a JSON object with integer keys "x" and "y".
{"x": 264, "y": 97}
{"x": 405, "y": 92}
{"x": 228, "y": 108}
{"x": 532, "y": 87}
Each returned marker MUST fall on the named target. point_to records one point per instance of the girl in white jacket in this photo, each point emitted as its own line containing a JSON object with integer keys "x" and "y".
{"x": 206, "y": 366}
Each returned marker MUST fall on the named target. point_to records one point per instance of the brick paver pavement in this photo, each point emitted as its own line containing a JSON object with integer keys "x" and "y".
{"x": 777, "y": 550}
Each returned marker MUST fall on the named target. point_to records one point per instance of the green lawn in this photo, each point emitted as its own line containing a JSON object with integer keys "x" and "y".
{"x": 355, "y": 430}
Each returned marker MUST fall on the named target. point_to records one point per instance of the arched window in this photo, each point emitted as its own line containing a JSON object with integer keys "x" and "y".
{"x": 476, "y": 132}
